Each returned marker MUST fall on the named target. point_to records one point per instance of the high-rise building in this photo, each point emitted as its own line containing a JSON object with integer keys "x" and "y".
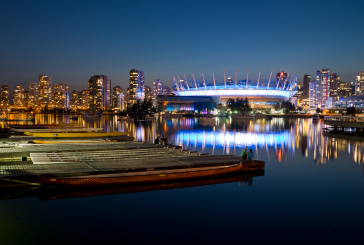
{"x": 167, "y": 90}
{"x": 45, "y": 90}
{"x": 320, "y": 94}
{"x": 306, "y": 84}
{"x": 99, "y": 90}
{"x": 359, "y": 84}
{"x": 74, "y": 100}
{"x": 26, "y": 98}
{"x": 136, "y": 79}
{"x": 158, "y": 89}
{"x": 115, "y": 95}
{"x": 148, "y": 93}
{"x": 4, "y": 96}
{"x": 312, "y": 94}
{"x": 18, "y": 96}
{"x": 345, "y": 89}
{"x": 334, "y": 84}
{"x": 127, "y": 95}
{"x": 33, "y": 94}
{"x": 84, "y": 99}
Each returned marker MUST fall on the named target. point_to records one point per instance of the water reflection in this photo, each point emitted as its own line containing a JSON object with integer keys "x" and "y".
{"x": 282, "y": 139}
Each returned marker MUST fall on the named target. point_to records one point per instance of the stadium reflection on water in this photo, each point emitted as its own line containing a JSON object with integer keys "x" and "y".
{"x": 280, "y": 138}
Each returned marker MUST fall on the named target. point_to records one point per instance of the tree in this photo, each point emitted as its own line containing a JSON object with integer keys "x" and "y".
{"x": 299, "y": 108}
{"x": 350, "y": 111}
{"x": 318, "y": 110}
{"x": 277, "y": 106}
{"x": 239, "y": 105}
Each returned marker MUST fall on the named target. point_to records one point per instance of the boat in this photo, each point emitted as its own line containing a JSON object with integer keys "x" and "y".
{"x": 170, "y": 115}
{"x": 269, "y": 117}
{"x": 73, "y": 141}
{"x": 149, "y": 117}
{"x": 260, "y": 115}
{"x": 56, "y": 130}
{"x": 207, "y": 119}
{"x": 130, "y": 119}
{"x": 91, "y": 115}
{"x": 242, "y": 116}
{"x": 143, "y": 176}
{"x": 76, "y": 135}
{"x": 43, "y": 125}
{"x": 316, "y": 117}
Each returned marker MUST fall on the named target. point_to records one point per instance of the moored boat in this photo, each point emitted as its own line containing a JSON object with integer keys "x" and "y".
{"x": 143, "y": 176}
{"x": 260, "y": 115}
{"x": 170, "y": 115}
{"x": 242, "y": 116}
{"x": 77, "y": 135}
{"x": 316, "y": 117}
{"x": 57, "y": 130}
{"x": 91, "y": 115}
{"x": 149, "y": 117}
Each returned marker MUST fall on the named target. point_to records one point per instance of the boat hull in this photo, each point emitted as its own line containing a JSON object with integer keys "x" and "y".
{"x": 143, "y": 177}
{"x": 76, "y": 135}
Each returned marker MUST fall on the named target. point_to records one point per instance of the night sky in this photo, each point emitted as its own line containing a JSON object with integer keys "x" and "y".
{"x": 72, "y": 40}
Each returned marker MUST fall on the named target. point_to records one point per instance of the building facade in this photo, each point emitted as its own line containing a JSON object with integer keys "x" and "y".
{"x": 158, "y": 89}
{"x": 45, "y": 90}
{"x": 319, "y": 92}
{"x": 99, "y": 91}
{"x": 148, "y": 93}
{"x": 137, "y": 91}
{"x": 334, "y": 84}
{"x": 116, "y": 91}
{"x": 4, "y": 96}
{"x": 33, "y": 94}
{"x": 359, "y": 84}
{"x": 18, "y": 96}
{"x": 306, "y": 84}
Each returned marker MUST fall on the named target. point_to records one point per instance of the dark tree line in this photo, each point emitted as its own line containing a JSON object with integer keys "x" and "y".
{"x": 285, "y": 105}
{"x": 241, "y": 105}
{"x": 141, "y": 107}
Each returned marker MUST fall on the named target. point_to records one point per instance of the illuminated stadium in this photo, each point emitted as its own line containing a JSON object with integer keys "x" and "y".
{"x": 261, "y": 89}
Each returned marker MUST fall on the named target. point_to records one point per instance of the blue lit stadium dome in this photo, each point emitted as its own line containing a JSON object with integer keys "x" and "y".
{"x": 260, "y": 89}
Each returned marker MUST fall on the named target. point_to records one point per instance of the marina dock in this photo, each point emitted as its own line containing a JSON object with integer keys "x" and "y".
{"x": 25, "y": 163}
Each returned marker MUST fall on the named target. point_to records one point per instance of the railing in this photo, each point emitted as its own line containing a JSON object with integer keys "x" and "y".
{"x": 344, "y": 118}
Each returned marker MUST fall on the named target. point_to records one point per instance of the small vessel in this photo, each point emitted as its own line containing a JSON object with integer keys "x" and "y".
{"x": 260, "y": 115}
{"x": 143, "y": 176}
{"x": 242, "y": 116}
{"x": 207, "y": 119}
{"x": 316, "y": 117}
{"x": 130, "y": 119}
{"x": 57, "y": 130}
{"x": 149, "y": 117}
{"x": 73, "y": 141}
{"x": 170, "y": 115}
{"x": 91, "y": 115}
{"x": 77, "y": 135}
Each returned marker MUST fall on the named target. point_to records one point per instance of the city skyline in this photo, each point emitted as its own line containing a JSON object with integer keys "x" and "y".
{"x": 259, "y": 38}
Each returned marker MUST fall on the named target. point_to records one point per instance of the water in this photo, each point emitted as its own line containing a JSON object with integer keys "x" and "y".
{"x": 311, "y": 192}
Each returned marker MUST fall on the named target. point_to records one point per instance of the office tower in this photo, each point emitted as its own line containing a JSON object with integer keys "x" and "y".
{"x": 345, "y": 89}
{"x": 306, "y": 84}
{"x": 26, "y": 98}
{"x": 18, "y": 96}
{"x": 148, "y": 93}
{"x": 167, "y": 90}
{"x": 322, "y": 86}
{"x": 127, "y": 95}
{"x": 281, "y": 80}
{"x": 63, "y": 87}
{"x": 64, "y": 101}
{"x": 99, "y": 90}
{"x": 359, "y": 84}
{"x": 312, "y": 94}
{"x": 158, "y": 89}
{"x": 334, "y": 84}
{"x": 33, "y": 94}
{"x": 84, "y": 97}
{"x": 115, "y": 95}
{"x": 45, "y": 90}
{"x": 74, "y": 100}
{"x": 4, "y": 96}
{"x": 136, "y": 79}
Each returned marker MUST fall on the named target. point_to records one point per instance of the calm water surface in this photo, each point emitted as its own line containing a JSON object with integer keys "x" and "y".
{"x": 310, "y": 192}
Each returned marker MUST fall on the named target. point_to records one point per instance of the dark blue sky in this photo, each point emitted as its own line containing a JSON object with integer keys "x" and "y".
{"x": 72, "y": 40}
